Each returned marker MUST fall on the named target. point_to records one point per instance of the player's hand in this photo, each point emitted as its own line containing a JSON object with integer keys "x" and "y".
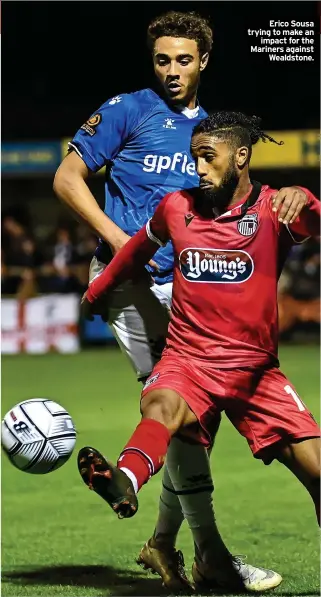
{"x": 118, "y": 243}
{"x": 98, "y": 307}
{"x": 289, "y": 201}
{"x": 121, "y": 241}
{"x": 86, "y": 308}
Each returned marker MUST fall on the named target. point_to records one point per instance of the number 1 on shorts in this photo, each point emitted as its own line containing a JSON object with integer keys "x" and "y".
{"x": 295, "y": 397}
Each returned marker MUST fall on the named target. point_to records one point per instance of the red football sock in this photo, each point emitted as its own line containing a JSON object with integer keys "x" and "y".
{"x": 144, "y": 454}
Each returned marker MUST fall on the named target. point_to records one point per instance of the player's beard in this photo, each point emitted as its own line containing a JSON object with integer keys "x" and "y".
{"x": 218, "y": 198}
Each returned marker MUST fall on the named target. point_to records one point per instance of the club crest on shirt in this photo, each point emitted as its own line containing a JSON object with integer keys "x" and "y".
{"x": 91, "y": 124}
{"x": 247, "y": 226}
{"x": 216, "y": 265}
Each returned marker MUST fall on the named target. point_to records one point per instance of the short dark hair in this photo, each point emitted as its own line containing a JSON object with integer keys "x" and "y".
{"x": 181, "y": 24}
{"x": 235, "y": 127}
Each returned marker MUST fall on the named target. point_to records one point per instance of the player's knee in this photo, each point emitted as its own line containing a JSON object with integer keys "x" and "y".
{"x": 303, "y": 458}
{"x": 314, "y": 462}
{"x": 164, "y": 406}
{"x": 313, "y": 479}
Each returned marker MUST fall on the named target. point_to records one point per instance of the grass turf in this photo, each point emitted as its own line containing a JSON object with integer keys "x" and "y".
{"x": 60, "y": 539}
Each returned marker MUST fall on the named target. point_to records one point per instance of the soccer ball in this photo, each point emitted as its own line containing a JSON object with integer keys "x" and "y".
{"x": 38, "y": 436}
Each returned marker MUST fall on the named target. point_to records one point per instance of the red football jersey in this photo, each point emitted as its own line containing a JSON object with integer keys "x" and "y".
{"x": 224, "y": 308}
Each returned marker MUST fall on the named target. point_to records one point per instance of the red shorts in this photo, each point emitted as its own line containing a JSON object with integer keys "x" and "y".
{"x": 261, "y": 403}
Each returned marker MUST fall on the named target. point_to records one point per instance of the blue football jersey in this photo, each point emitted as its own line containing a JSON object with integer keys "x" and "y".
{"x": 145, "y": 144}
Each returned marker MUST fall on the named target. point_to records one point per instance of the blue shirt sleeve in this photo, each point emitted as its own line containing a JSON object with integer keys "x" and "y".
{"x": 100, "y": 139}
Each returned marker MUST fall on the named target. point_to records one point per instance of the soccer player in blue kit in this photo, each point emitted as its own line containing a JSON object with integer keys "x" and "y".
{"x": 144, "y": 139}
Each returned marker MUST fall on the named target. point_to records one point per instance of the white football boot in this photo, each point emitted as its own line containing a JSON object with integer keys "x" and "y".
{"x": 251, "y": 578}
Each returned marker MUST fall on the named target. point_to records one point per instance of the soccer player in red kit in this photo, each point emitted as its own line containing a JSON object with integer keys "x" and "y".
{"x": 230, "y": 245}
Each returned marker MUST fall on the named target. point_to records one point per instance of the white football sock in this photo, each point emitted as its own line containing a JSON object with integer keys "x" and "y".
{"x": 190, "y": 474}
{"x": 131, "y": 477}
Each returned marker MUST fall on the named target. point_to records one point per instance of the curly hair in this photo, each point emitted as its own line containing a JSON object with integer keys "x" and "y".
{"x": 189, "y": 25}
{"x": 236, "y": 127}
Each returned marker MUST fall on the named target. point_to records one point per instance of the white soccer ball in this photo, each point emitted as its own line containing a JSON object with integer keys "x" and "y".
{"x": 38, "y": 436}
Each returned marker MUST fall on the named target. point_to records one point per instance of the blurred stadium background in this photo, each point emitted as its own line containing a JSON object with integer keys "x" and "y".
{"x": 59, "y": 65}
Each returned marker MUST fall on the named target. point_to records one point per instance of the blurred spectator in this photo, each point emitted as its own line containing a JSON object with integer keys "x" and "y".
{"x": 13, "y": 233}
{"x": 63, "y": 251}
{"x": 304, "y": 269}
{"x": 86, "y": 244}
{"x": 61, "y": 265}
{"x": 59, "y": 273}
{"x": 299, "y": 288}
{"x": 20, "y": 260}
{"x": 85, "y": 247}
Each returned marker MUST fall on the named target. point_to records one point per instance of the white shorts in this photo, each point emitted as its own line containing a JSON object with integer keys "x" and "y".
{"x": 138, "y": 317}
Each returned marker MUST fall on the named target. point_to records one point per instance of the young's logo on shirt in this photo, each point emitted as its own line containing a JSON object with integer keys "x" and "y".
{"x": 91, "y": 124}
{"x": 215, "y": 265}
{"x": 248, "y": 224}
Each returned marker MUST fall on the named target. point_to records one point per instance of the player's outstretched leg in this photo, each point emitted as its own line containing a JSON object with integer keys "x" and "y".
{"x": 303, "y": 459}
{"x": 164, "y": 412}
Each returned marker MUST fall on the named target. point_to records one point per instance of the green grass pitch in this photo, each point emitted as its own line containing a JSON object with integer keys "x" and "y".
{"x": 60, "y": 539}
